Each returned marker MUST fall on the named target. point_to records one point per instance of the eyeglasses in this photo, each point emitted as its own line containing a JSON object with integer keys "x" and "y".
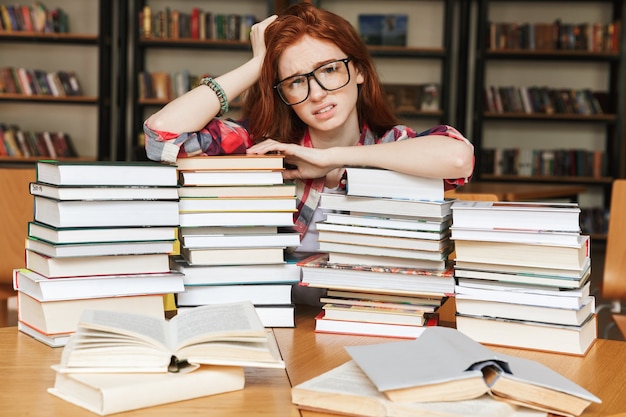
{"x": 330, "y": 76}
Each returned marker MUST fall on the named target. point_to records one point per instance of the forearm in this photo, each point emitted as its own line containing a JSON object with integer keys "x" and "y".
{"x": 430, "y": 156}
{"x": 194, "y": 109}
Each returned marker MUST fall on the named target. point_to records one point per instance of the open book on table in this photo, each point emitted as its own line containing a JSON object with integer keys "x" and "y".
{"x": 445, "y": 365}
{"x": 217, "y": 334}
{"x": 347, "y": 390}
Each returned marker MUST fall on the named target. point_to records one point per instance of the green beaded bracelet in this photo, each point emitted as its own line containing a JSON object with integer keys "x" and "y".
{"x": 219, "y": 91}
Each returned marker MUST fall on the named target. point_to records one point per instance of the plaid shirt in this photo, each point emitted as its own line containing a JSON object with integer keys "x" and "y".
{"x": 222, "y": 137}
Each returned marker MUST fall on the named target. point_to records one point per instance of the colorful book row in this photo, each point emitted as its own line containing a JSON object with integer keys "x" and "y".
{"x": 38, "y": 82}
{"x": 591, "y": 37}
{"x": 196, "y": 24}
{"x": 35, "y": 18}
{"x": 18, "y": 143}
{"x": 535, "y": 99}
{"x": 543, "y": 162}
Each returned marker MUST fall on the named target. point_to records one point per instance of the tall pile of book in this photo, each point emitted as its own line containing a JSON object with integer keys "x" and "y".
{"x": 100, "y": 238}
{"x": 232, "y": 211}
{"x": 522, "y": 273}
{"x": 385, "y": 250}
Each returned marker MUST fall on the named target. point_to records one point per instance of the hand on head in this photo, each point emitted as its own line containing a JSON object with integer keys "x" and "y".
{"x": 257, "y": 35}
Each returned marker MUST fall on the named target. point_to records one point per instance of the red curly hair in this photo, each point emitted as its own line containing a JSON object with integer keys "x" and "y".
{"x": 269, "y": 117}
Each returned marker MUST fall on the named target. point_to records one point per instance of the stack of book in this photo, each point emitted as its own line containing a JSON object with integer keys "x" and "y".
{"x": 100, "y": 238}
{"x": 522, "y": 273}
{"x": 232, "y": 211}
{"x": 385, "y": 251}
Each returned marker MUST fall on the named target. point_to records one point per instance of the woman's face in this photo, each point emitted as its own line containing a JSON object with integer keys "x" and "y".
{"x": 322, "y": 110}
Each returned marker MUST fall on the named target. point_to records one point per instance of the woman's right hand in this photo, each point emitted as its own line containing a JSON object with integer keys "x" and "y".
{"x": 257, "y": 36}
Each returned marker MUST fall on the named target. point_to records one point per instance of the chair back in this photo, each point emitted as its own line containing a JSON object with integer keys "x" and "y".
{"x": 614, "y": 278}
{"x": 470, "y": 196}
{"x": 16, "y": 206}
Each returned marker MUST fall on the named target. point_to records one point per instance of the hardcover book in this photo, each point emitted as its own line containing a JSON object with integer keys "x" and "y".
{"x": 348, "y": 391}
{"x": 106, "y": 173}
{"x": 443, "y": 364}
{"x": 105, "y": 394}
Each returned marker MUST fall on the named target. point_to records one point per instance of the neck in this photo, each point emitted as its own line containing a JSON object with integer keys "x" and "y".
{"x": 347, "y": 134}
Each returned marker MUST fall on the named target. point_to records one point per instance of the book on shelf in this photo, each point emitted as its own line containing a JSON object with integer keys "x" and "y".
{"x": 43, "y": 288}
{"x": 533, "y": 237}
{"x": 346, "y": 390}
{"x": 106, "y": 213}
{"x": 443, "y": 364}
{"x": 111, "y": 393}
{"x": 468, "y": 306}
{"x": 550, "y": 337}
{"x": 525, "y": 294}
{"x": 233, "y": 256}
{"x": 573, "y": 273}
{"x": 381, "y": 231}
{"x": 529, "y": 216}
{"x": 257, "y": 294}
{"x": 239, "y": 240}
{"x": 389, "y": 261}
{"x": 251, "y": 218}
{"x": 231, "y": 162}
{"x": 228, "y": 334}
{"x": 97, "y": 265}
{"x": 238, "y": 204}
{"x": 318, "y": 272}
{"x": 415, "y": 224}
{"x": 554, "y": 279}
{"x": 241, "y": 191}
{"x": 363, "y": 328}
{"x": 64, "y": 250}
{"x": 430, "y": 255}
{"x": 374, "y": 182}
{"x": 380, "y": 241}
{"x": 511, "y": 253}
{"x": 73, "y": 235}
{"x": 430, "y": 97}
{"x": 59, "y": 192}
{"x": 230, "y": 177}
{"x": 374, "y": 314}
{"x": 62, "y": 316}
{"x": 92, "y": 173}
{"x": 386, "y": 206}
{"x": 286, "y": 272}
{"x": 52, "y": 340}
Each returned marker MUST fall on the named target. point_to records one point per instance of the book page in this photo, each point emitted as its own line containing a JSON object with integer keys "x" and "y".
{"x": 140, "y": 326}
{"x": 231, "y": 321}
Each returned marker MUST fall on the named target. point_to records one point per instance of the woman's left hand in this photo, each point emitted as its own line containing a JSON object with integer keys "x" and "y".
{"x": 308, "y": 163}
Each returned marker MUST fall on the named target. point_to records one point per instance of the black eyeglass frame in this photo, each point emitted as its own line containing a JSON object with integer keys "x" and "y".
{"x": 308, "y": 78}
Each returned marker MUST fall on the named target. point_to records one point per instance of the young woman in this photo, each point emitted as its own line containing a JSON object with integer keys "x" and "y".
{"x": 313, "y": 94}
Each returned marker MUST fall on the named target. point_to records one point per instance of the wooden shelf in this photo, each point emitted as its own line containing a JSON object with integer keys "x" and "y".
{"x": 49, "y": 99}
{"x": 548, "y": 179}
{"x": 69, "y": 38}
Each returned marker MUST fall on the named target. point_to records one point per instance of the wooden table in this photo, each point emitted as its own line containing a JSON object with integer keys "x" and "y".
{"x": 523, "y": 192}
{"x": 27, "y": 374}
